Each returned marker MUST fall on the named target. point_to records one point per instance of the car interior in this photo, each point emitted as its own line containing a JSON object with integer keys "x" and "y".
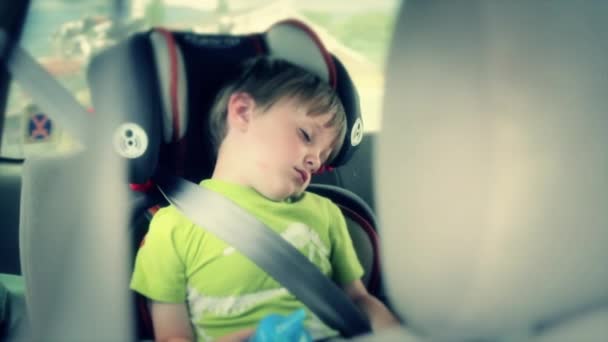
{"x": 478, "y": 210}
{"x": 190, "y": 68}
{"x": 146, "y": 64}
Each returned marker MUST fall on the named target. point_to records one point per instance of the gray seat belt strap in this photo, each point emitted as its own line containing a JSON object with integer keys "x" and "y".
{"x": 268, "y": 250}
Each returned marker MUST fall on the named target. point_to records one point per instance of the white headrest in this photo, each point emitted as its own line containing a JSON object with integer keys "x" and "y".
{"x": 295, "y": 42}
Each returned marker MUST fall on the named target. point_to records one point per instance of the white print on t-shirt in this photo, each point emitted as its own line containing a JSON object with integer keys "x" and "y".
{"x": 231, "y": 305}
{"x": 302, "y": 237}
{"x": 306, "y": 239}
{"x": 200, "y": 305}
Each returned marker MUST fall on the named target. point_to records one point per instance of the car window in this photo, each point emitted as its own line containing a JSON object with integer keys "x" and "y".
{"x": 63, "y": 34}
{"x": 60, "y": 35}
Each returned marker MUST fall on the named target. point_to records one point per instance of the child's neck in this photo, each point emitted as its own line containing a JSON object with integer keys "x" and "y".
{"x": 228, "y": 174}
{"x": 229, "y": 169}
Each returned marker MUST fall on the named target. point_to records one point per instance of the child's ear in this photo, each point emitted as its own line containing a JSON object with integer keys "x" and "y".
{"x": 240, "y": 110}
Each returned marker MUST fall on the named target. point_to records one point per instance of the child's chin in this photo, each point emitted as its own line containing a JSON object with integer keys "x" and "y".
{"x": 276, "y": 196}
{"x": 279, "y": 196}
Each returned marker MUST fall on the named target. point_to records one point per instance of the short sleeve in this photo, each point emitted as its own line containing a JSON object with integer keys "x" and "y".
{"x": 160, "y": 272}
{"x": 344, "y": 260}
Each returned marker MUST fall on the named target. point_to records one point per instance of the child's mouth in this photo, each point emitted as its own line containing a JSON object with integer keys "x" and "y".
{"x": 303, "y": 176}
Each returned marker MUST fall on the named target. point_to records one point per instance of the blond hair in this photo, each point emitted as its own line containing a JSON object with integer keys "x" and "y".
{"x": 268, "y": 80}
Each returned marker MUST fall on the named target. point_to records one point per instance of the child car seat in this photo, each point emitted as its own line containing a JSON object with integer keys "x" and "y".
{"x": 170, "y": 80}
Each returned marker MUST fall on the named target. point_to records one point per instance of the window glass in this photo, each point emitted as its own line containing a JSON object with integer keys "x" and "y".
{"x": 359, "y": 34}
{"x": 63, "y": 34}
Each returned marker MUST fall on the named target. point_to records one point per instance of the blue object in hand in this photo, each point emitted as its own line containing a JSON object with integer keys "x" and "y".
{"x": 275, "y": 328}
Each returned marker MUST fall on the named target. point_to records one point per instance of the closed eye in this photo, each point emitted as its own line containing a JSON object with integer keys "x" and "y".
{"x": 305, "y": 135}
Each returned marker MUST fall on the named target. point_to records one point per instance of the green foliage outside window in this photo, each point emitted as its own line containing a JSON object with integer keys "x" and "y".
{"x": 366, "y": 32}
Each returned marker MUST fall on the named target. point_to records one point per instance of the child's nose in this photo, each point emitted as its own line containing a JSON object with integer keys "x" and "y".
{"x": 313, "y": 162}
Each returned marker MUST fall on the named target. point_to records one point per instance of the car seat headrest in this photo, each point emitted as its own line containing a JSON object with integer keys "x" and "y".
{"x": 172, "y": 82}
{"x": 164, "y": 84}
{"x": 293, "y": 41}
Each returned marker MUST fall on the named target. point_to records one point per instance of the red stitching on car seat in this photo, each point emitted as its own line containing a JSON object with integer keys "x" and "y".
{"x": 172, "y": 48}
{"x": 144, "y": 187}
{"x": 374, "y": 281}
{"x": 331, "y": 68}
{"x": 257, "y": 43}
{"x": 144, "y": 313}
{"x": 180, "y": 144}
{"x": 154, "y": 209}
{"x": 323, "y": 169}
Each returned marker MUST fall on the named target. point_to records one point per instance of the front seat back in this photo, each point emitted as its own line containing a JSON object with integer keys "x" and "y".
{"x": 493, "y": 208}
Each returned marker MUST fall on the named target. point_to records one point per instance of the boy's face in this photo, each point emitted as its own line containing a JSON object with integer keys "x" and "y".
{"x": 285, "y": 146}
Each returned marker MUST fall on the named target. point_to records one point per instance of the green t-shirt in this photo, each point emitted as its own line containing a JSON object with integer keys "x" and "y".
{"x": 180, "y": 262}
